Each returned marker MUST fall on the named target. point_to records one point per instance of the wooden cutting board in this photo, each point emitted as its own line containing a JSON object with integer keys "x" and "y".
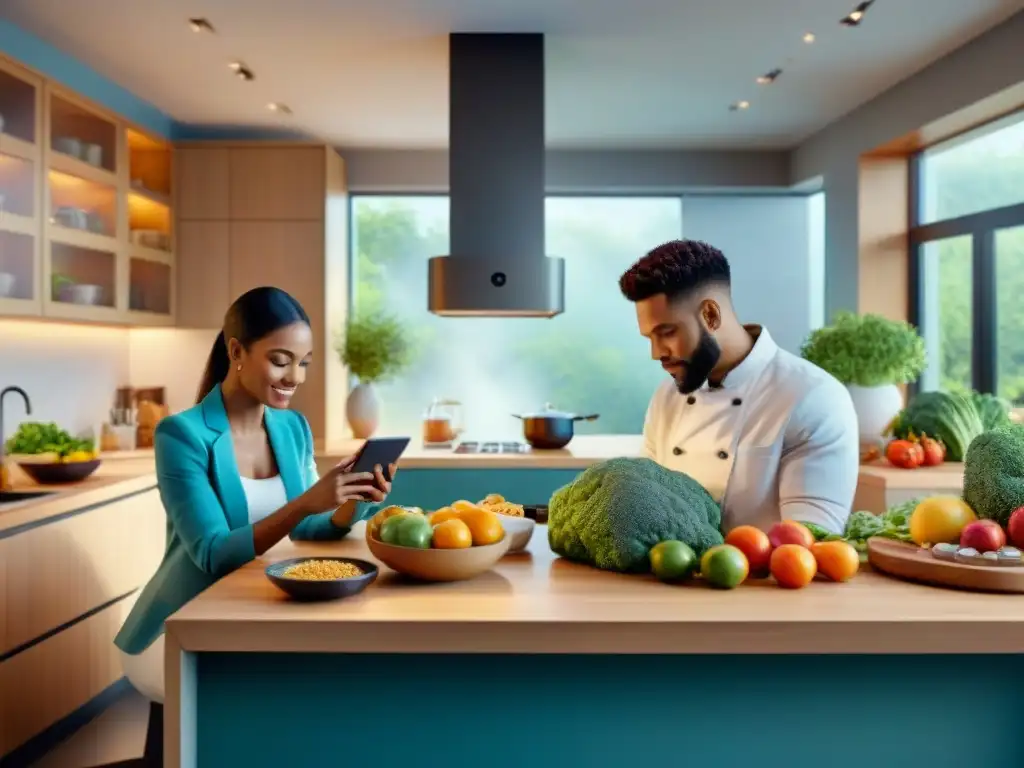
{"x": 910, "y": 562}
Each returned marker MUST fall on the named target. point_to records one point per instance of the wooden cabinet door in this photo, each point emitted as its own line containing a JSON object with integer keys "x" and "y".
{"x": 203, "y": 183}
{"x": 288, "y": 255}
{"x": 202, "y": 264}
{"x": 285, "y": 254}
{"x": 278, "y": 183}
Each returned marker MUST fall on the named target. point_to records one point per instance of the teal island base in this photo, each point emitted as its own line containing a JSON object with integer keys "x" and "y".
{"x": 268, "y": 710}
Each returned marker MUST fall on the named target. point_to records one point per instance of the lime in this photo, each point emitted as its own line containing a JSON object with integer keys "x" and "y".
{"x": 389, "y": 530}
{"x": 414, "y": 531}
{"x": 724, "y": 566}
{"x": 672, "y": 560}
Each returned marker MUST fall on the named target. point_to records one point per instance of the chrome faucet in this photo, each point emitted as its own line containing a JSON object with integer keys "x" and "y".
{"x": 28, "y": 410}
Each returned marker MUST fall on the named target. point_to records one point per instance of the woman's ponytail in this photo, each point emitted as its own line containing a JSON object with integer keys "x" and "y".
{"x": 217, "y": 365}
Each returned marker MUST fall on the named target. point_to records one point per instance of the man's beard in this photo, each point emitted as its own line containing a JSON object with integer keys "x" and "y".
{"x": 703, "y": 360}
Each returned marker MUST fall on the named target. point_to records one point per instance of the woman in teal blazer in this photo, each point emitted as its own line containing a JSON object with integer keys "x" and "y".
{"x": 236, "y": 473}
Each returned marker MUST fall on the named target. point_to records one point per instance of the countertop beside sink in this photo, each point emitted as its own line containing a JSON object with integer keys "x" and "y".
{"x": 113, "y": 479}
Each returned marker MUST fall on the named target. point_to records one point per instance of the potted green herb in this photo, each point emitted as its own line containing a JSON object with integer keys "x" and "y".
{"x": 872, "y": 356}
{"x": 375, "y": 347}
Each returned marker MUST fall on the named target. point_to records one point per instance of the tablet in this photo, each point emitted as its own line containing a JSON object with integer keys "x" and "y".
{"x": 380, "y": 451}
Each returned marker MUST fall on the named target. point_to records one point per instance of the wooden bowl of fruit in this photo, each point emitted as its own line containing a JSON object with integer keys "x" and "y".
{"x": 448, "y": 545}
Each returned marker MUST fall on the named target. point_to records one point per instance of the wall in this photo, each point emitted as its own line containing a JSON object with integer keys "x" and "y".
{"x": 70, "y": 372}
{"x": 768, "y": 242}
{"x": 990, "y": 63}
{"x": 370, "y": 171}
{"x": 171, "y": 358}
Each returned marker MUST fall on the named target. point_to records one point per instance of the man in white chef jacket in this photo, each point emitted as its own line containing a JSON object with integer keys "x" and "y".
{"x": 768, "y": 434}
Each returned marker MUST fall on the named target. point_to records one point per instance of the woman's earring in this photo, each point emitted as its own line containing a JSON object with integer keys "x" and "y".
{"x": 239, "y": 367}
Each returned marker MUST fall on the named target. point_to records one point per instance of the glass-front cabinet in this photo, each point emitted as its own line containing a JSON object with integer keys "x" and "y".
{"x": 86, "y": 213}
{"x": 20, "y": 218}
{"x": 150, "y": 231}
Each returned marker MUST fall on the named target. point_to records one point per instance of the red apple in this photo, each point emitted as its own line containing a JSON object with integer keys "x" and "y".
{"x": 790, "y": 532}
{"x": 983, "y": 535}
{"x": 1015, "y": 528}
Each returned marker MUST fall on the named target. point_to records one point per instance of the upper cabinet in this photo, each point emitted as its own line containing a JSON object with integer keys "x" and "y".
{"x": 20, "y": 182}
{"x": 86, "y": 212}
{"x": 203, "y": 183}
{"x": 297, "y": 193}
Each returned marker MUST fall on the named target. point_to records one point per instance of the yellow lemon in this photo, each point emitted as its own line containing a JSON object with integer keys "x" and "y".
{"x": 939, "y": 520}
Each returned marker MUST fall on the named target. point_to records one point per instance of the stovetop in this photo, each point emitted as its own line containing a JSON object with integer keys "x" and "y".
{"x": 491, "y": 446}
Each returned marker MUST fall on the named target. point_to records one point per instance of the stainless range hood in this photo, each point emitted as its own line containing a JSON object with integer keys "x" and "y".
{"x": 497, "y": 266}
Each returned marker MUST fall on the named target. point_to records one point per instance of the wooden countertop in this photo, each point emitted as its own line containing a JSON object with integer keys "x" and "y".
{"x": 537, "y": 603}
{"x": 113, "y": 479}
{"x": 947, "y": 477}
{"x": 583, "y": 451}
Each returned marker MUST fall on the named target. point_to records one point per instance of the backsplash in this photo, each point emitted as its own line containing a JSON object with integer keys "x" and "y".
{"x": 71, "y": 372}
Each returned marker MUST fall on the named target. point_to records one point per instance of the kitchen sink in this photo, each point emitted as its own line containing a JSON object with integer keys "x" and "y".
{"x": 10, "y": 497}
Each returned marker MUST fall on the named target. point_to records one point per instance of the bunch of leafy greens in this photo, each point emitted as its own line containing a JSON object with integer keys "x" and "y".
{"x": 375, "y": 347}
{"x": 867, "y": 350}
{"x": 894, "y": 523}
{"x": 36, "y": 437}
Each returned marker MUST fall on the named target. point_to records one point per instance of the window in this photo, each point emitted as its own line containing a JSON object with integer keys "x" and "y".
{"x": 978, "y": 171}
{"x": 1009, "y": 255}
{"x": 590, "y": 359}
{"x": 967, "y": 260}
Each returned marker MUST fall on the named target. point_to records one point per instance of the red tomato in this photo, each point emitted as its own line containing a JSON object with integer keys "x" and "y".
{"x": 934, "y": 451}
{"x": 905, "y": 454}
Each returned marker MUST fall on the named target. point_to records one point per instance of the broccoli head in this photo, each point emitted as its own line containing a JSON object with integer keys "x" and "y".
{"x": 614, "y": 512}
{"x": 994, "y": 473}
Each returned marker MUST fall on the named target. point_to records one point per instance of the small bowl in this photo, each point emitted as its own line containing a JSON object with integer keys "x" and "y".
{"x": 305, "y": 589}
{"x": 59, "y": 473}
{"x": 440, "y": 564}
{"x": 519, "y": 530}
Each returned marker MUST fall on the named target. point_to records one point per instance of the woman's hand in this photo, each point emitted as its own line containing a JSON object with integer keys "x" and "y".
{"x": 377, "y": 493}
{"x": 339, "y": 485}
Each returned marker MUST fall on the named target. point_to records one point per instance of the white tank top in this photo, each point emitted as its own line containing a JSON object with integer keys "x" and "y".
{"x": 263, "y": 497}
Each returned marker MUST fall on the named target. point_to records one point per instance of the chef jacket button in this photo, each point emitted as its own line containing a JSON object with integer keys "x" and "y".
{"x": 723, "y": 455}
{"x": 677, "y": 451}
{"x": 737, "y": 401}
{"x": 691, "y": 400}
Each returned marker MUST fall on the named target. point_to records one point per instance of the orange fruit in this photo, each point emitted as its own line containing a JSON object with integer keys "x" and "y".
{"x": 462, "y": 505}
{"x": 452, "y": 534}
{"x": 440, "y": 515}
{"x": 836, "y": 560}
{"x": 754, "y": 543}
{"x": 483, "y": 524}
{"x": 793, "y": 566}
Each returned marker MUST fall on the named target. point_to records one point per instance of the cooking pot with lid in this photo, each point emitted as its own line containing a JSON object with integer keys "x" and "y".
{"x": 549, "y": 428}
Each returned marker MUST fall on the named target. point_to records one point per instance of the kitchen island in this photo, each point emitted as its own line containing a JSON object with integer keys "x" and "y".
{"x": 547, "y": 663}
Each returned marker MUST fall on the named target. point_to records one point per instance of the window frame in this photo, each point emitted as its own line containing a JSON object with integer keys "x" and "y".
{"x": 981, "y": 227}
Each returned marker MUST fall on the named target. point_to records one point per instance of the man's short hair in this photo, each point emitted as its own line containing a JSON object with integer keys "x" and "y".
{"x": 676, "y": 269}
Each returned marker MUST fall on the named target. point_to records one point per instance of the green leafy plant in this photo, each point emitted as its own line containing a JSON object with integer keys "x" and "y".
{"x": 867, "y": 350}
{"x": 375, "y": 346}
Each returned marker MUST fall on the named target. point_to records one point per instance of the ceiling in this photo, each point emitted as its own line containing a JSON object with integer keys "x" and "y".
{"x": 646, "y": 73}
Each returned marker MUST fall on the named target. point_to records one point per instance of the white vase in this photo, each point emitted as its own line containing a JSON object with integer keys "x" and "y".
{"x": 362, "y": 409}
{"x": 876, "y": 407}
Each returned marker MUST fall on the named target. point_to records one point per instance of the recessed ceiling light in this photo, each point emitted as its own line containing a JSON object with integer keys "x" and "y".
{"x": 739, "y": 105}
{"x": 200, "y": 24}
{"x": 243, "y": 72}
{"x": 857, "y": 14}
{"x": 281, "y": 109}
{"x": 809, "y": 37}
{"x": 769, "y": 77}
